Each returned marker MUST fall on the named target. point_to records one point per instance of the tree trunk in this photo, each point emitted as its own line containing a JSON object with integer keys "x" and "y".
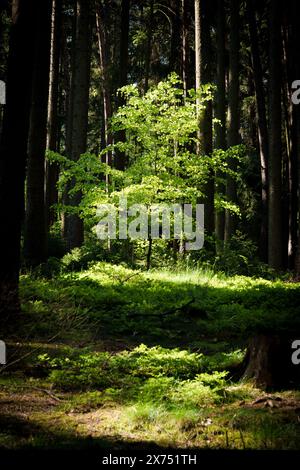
{"x": 274, "y": 168}
{"x": 13, "y": 150}
{"x": 184, "y": 46}
{"x": 107, "y": 108}
{"x": 269, "y": 361}
{"x": 233, "y": 111}
{"x": 261, "y": 127}
{"x": 35, "y": 243}
{"x": 296, "y": 122}
{"x": 120, "y": 158}
{"x": 149, "y": 46}
{"x": 220, "y": 111}
{"x": 79, "y": 112}
{"x": 174, "y": 59}
{"x": 52, "y": 170}
{"x": 204, "y": 76}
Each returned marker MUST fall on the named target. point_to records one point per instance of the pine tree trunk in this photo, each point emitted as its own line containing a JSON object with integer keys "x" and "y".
{"x": 120, "y": 157}
{"x": 79, "y": 112}
{"x": 261, "y": 127}
{"x": 220, "y": 111}
{"x": 174, "y": 59}
{"x": 295, "y": 12}
{"x": 13, "y": 150}
{"x": 233, "y": 111}
{"x": 204, "y": 76}
{"x": 149, "y": 46}
{"x": 274, "y": 168}
{"x": 35, "y": 243}
{"x": 269, "y": 361}
{"x": 184, "y": 46}
{"x": 52, "y": 170}
{"x": 107, "y": 108}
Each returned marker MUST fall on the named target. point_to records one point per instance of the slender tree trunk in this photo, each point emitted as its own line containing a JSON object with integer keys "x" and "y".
{"x": 220, "y": 110}
{"x": 52, "y": 170}
{"x": 174, "y": 59}
{"x": 261, "y": 126}
{"x": 149, "y": 46}
{"x": 13, "y": 150}
{"x": 107, "y": 108}
{"x": 198, "y": 52}
{"x": 274, "y": 168}
{"x": 184, "y": 46}
{"x": 203, "y": 76}
{"x": 233, "y": 110}
{"x": 79, "y": 117}
{"x": 35, "y": 237}
{"x": 120, "y": 158}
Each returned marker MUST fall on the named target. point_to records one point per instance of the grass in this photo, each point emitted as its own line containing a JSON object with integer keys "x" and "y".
{"x": 111, "y": 355}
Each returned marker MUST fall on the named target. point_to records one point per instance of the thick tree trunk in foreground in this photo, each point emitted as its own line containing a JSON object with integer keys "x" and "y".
{"x": 296, "y": 121}
{"x": 269, "y": 361}
{"x": 13, "y": 151}
{"x": 35, "y": 235}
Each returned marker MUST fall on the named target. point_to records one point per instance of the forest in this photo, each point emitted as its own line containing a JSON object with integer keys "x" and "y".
{"x": 150, "y": 226}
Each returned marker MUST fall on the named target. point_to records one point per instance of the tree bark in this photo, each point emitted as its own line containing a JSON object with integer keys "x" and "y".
{"x": 52, "y": 170}
{"x": 269, "y": 361}
{"x": 184, "y": 46}
{"x": 274, "y": 168}
{"x": 174, "y": 59}
{"x": 79, "y": 117}
{"x": 149, "y": 46}
{"x": 204, "y": 76}
{"x": 220, "y": 110}
{"x": 120, "y": 158}
{"x": 296, "y": 124}
{"x": 233, "y": 111}
{"x": 13, "y": 150}
{"x": 261, "y": 127}
{"x": 35, "y": 242}
{"x": 107, "y": 108}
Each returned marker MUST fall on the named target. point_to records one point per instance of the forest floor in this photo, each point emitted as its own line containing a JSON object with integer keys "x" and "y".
{"x": 115, "y": 357}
